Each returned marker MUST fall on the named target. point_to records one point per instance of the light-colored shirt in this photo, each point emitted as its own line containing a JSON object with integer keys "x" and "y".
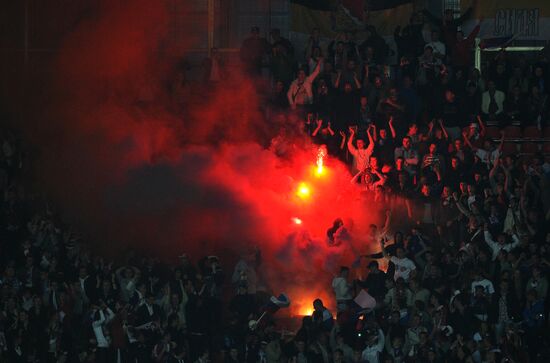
{"x": 341, "y": 288}
{"x": 403, "y": 267}
{"x": 371, "y": 352}
{"x": 497, "y": 247}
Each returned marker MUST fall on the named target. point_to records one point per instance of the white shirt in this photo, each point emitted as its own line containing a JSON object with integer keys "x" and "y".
{"x": 341, "y": 288}
{"x": 361, "y": 157}
{"x": 438, "y": 47}
{"x": 371, "y": 352}
{"x": 97, "y": 326}
{"x": 486, "y": 284}
{"x": 403, "y": 267}
{"x": 302, "y": 93}
{"x": 497, "y": 247}
{"x": 488, "y": 157}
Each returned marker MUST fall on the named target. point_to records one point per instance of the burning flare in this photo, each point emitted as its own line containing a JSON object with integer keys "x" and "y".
{"x": 321, "y": 153}
{"x": 303, "y": 191}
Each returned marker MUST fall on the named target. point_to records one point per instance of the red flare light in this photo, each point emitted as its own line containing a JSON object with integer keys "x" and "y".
{"x": 320, "y": 161}
{"x": 303, "y": 191}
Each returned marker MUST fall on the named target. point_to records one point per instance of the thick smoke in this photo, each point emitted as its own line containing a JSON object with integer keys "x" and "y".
{"x": 130, "y": 170}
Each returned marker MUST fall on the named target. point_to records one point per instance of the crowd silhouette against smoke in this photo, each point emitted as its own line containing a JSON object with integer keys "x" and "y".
{"x": 150, "y": 217}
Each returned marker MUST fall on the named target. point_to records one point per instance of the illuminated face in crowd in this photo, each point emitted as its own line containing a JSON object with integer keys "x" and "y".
{"x": 301, "y": 75}
{"x": 458, "y": 145}
{"x": 383, "y": 133}
{"x": 373, "y": 162}
{"x": 426, "y": 190}
{"x": 433, "y": 148}
{"x": 454, "y": 163}
{"x": 360, "y": 144}
{"x": 406, "y": 142}
{"x": 413, "y": 129}
{"x": 450, "y": 96}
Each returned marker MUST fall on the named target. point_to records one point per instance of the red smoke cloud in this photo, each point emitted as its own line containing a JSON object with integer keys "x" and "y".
{"x": 129, "y": 171}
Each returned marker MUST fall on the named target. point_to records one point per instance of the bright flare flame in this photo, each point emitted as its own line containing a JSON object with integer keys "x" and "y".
{"x": 320, "y": 160}
{"x": 297, "y": 220}
{"x": 303, "y": 191}
{"x": 306, "y": 311}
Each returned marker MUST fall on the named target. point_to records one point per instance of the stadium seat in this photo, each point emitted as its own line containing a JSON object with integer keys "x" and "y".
{"x": 512, "y": 132}
{"x": 493, "y": 132}
{"x": 509, "y": 148}
{"x": 530, "y": 147}
{"x": 532, "y": 132}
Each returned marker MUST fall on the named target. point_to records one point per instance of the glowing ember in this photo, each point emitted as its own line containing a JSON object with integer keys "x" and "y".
{"x": 320, "y": 160}
{"x": 297, "y": 220}
{"x": 303, "y": 191}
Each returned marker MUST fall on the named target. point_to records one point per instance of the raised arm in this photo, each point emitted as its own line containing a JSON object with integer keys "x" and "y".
{"x": 318, "y": 128}
{"x": 467, "y": 141}
{"x": 343, "y": 142}
{"x": 329, "y": 128}
{"x": 337, "y": 80}
{"x": 356, "y": 80}
{"x": 392, "y": 129}
{"x": 482, "y": 128}
{"x": 316, "y": 71}
{"x": 443, "y": 129}
{"x": 383, "y": 247}
{"x": 370, "y": 147}
{"x": 387, "y": 222}
{"x": 460, "y": 207}
{"x": 501, "y": 142}
{"x": 351, "y": 148}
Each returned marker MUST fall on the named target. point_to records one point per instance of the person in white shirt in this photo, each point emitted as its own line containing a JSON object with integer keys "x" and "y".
{"x": 375, "y": 346}
{"x": 489, "y": 154}
{"x": 102, "y": 316}
{"x": 480, "y": 280}
{"x": 342, "y": 289}
{"x": 439, "y": 50}
{"x": 404, "y": 267}
{"x": 300, "y": 92}
{"x": 500, "y": 244}
{"x": 361, "y": 155}
{"x": 492, "y": 102}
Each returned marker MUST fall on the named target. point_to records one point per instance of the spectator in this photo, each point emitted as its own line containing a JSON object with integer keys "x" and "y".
{"x": 300, "y": 93}
{"x": 253, "y": 50}
{"x": 492, "y": 102}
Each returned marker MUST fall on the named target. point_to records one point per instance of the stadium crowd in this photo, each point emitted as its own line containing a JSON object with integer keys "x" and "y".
{"x": 465, "y": 252}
